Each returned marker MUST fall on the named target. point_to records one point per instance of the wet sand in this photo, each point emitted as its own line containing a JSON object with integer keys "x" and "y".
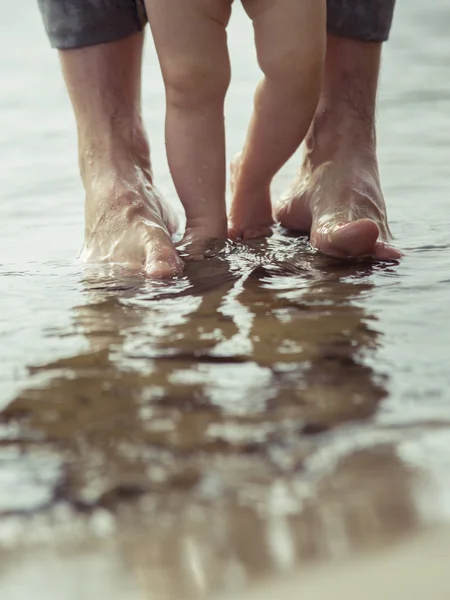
{"x": 270, "y": 418}
{"x": 414, "y": 570}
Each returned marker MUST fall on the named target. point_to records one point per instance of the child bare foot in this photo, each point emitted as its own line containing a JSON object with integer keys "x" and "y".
{"x": 251, "y": 215}
{"x": 190, "y": 37}
{"x": 290, "y": 40}
{"x": 201, "y": 241}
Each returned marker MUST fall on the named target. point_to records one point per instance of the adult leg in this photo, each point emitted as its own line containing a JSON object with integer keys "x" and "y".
{"x": 190, "y": 38}
{"x": 126, "y": 219}
{"x": 337, "y": 195}
{"x": 290, "y": 43}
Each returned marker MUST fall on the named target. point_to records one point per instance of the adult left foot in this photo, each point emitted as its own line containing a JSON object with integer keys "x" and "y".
{"x": 338, "y": 199}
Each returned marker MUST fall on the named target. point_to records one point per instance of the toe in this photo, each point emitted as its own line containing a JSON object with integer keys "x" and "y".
{"x": 194, "y": 248}
{"x": 234, "y": 233}
{"x": 162, "y": 269}
{"x": 250, "y": 233}
{"x": 355, "y": 239}
{"x": 162, "y": 262}
{"x": 350, "y": 240}
{"x": 257, "y": 232}
{"x": 385, "y": 251}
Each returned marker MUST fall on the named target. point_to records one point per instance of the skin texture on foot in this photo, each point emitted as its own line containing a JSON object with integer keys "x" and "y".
{"x": 132, "y": 226}
{"x": 337, "y": 196}
{"x": 127, "y": 220}
{"x": 343, "y": 208}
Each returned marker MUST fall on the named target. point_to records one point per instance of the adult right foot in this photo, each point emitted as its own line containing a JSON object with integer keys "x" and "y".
{"x": 337, "y": 196}
{"x": 338, "y": 199}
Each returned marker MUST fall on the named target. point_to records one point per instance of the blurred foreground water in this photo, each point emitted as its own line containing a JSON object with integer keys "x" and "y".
{"x": 269, "y": 410}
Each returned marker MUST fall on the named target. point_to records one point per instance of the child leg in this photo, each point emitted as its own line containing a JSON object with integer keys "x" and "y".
{"x": 191, "y": 42}
{"x": 290, "y": 38}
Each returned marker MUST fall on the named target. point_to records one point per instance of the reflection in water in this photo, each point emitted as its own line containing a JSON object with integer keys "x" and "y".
{"x": 235, "y": 422}
{"x": 212, "y": 416}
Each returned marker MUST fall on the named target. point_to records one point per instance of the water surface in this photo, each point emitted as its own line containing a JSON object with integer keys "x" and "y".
{"x": 269, "y": 409}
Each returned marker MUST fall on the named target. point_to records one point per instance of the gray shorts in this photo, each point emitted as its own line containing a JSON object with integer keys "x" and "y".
{"x": 79, "y": 23}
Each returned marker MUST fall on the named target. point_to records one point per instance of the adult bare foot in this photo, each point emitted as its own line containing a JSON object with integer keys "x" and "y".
{"x": 129, "y": 223}
{"x": 337, "y": 196}
{"x": 338, "y": 199}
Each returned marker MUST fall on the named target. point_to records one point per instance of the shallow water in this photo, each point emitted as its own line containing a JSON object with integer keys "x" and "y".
{"x": 270, "y": 408}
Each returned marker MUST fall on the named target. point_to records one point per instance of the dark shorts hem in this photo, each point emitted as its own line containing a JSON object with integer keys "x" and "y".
{"x": 79, "y": 23}
{"x": 378, "y": 37}
{"x": 74, "y": 24}
{"x": 363, "y": 20}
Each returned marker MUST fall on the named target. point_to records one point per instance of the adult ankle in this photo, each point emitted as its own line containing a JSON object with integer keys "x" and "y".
{"x": 114, "y": 151}
{"x": 335, "y": 134}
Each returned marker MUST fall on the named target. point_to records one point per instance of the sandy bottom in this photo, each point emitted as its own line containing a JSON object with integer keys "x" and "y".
{"x": 415, "y": 570}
